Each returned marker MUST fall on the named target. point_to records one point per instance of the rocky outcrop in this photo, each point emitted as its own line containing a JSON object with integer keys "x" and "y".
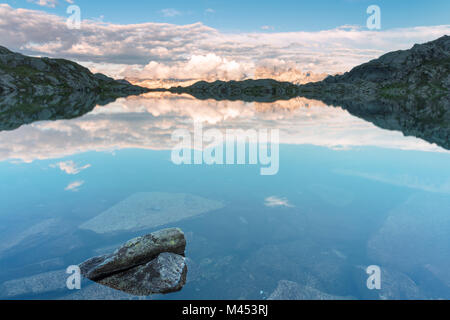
{"x": 422, "y": 72}
{"x": 34, "y": 89}
{"x": 45, "y": 76}
{"x": 152, "y": 264}
{"x": 264, "y": 90}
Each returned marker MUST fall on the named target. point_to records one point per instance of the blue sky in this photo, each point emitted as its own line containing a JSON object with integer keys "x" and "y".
{"x": 245, "y": 16}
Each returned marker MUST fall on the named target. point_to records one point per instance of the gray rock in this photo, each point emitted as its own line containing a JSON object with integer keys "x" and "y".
{"x": 135, "y": 252}
{"x": 152, "y": 264}
{"x": 44, "y": 76}
{"x": 165, "y": 274}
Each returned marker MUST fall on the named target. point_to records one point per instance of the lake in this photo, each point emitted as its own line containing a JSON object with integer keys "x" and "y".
{"x": 347, "y": 195}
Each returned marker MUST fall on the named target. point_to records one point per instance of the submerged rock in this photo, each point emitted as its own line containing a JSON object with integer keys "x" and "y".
{"x": 28, "y": 237}
{"x": 151, "y": 264}
{"x": 288, "y": 290}
{"x": 39, "y": 284}
{"x": 411, "y": 237}
{"x": 95, "y": 292}
{"x": 149, "y": 210}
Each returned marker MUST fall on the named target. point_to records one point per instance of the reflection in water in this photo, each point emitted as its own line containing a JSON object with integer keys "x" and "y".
{"x": 148, "y": 121}
{"x": 428, "y": 120}
{"x": 349, "y": 194}
{"x": 18, "y": 109}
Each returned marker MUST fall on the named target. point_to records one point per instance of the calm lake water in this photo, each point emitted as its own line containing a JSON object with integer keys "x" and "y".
{"x": 347, "y": 195}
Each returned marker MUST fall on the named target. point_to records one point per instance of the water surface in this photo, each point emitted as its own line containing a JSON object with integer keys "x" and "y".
{"x": 348, "y": 195}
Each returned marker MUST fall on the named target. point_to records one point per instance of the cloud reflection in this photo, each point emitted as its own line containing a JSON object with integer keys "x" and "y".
{"x": 147, "y": 122}
{"x": 275, "y": 201}
{"x": 74, "y": 186}
{"x": 70, "y": 167}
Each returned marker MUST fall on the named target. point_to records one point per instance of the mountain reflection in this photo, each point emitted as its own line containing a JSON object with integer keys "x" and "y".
{"x": 92, "y": 123}
{"x": 19, "y": 109}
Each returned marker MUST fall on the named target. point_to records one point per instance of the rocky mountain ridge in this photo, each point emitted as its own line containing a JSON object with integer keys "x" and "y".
{"x": 422, "y": 72}
{"x": 45, "y": 76}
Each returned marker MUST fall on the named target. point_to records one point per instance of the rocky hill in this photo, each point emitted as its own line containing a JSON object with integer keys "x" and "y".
{"x": 44, "y": 76}
{"x": 422, "y": 72}
{"x": 263, "y": 90}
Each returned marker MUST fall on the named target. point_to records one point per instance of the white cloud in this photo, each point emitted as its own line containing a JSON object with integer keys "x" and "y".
{"x": 167, "y": 50}
{"x": 275, "y": 201}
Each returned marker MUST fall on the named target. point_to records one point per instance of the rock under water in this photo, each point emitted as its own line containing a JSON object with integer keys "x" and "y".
{"x": 150, "y": 210}
{"x": 288, "y": 290}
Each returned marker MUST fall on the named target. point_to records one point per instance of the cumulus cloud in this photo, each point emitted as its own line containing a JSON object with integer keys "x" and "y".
{"x": 168, "y": 51}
